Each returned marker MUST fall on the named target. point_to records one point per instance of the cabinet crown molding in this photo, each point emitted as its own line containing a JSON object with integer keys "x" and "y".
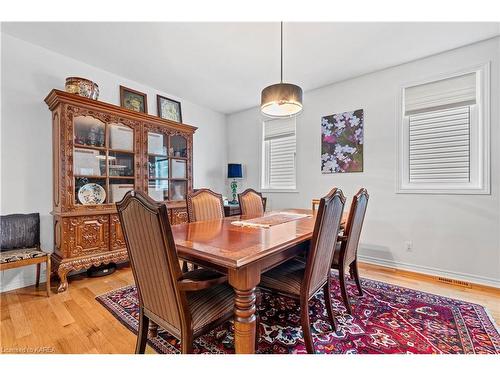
{"x": 56, "y": 97}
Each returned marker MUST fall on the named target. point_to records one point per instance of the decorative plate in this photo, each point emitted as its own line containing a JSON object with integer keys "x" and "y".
{"x": 91, "y": 194}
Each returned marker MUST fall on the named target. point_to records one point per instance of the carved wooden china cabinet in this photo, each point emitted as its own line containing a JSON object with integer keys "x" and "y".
{"x": 101, "y": 151}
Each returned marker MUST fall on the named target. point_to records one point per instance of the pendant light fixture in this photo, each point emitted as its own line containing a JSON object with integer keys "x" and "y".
{"x": 281, "y": 99}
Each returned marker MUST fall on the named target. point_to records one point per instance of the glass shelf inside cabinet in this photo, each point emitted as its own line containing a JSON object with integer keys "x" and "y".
{"x": 158, "y": 190}
{"x": 89, "y": 131}
{"x": 121, "y": 137}
{"x": 178, "y": 190}
{"x": 178, "y": 146}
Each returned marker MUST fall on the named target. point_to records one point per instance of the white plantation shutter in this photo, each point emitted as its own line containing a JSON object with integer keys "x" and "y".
{"x": 279, "y": 147}
{"x": 439, "y": 146}
{"x": 444, "y": 135}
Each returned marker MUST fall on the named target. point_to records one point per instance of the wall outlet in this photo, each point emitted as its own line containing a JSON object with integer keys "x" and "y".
{"x": 408, "y": 245}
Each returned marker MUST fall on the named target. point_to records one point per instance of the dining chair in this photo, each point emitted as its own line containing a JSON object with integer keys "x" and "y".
{"x": 20, "y": 245}
{"x": 314, "y": 204}
{"x": 187, "y": 305}
{"x": 346, "y": 251}
{"x": 301, "y": 280}
{"x": 252, "y": 203}
{"x": 204, "y": 204}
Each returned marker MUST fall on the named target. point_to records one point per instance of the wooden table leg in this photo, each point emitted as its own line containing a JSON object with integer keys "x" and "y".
{"x": 244, "y": 282}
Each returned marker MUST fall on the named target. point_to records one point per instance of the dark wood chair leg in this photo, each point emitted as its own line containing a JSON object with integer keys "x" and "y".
{"x": 187, "y": 343}
{"x": 343, "y": 289}
{"x": 185, "y": 266}
{"x": 306, "y": 326}
{"x": 152, "y": 329}
{"x": 49, "y": 272}
{"x": 327, "y": 292}
{"x": 355, "y": 275}
{"x": 38, "y": 266}
{"x": 142, "y": 334}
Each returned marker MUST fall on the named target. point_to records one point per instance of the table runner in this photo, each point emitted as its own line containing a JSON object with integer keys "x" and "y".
{"x": 270, "y": 220}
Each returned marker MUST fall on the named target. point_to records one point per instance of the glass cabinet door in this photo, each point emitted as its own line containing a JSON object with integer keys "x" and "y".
{"x": 167, "y": 166}
{"x": 103, "y": 161}
{"x": 158, "y": 168}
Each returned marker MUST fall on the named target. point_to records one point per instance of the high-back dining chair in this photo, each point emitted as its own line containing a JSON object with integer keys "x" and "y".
{"x": 301, "y": 280}
{"x": 187, "y": 305}
{"x": 347, "y": 249}
{"x": 251, "y": 203}
{"x": 204, "y": 204}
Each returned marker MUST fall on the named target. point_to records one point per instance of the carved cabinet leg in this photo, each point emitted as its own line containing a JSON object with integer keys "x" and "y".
{"x": 62, "y": 272}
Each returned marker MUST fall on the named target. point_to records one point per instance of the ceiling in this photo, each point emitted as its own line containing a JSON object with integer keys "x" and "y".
{"x": 224, "y": 66}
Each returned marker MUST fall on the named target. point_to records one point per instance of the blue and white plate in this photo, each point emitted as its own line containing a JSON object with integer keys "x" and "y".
{"x": 91, "y": 193}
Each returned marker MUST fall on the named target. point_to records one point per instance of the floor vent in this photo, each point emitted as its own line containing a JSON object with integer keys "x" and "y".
{"x": 455, "y": 282}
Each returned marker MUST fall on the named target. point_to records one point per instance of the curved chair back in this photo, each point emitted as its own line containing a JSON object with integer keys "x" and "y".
{"x": 353, "y": 226}
{"x": 204, "y": 204}
{"x": 153, "y": 257}
{"x": 251, "y": 203}
{"x": 323, "y": 242}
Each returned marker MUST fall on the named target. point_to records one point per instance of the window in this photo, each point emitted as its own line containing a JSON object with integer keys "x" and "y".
{"x": 444, "y": 135}
{"x": 278, "y": 155}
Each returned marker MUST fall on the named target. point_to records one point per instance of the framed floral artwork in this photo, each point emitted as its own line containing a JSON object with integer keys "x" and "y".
{"x": 342, "y": 142}
{"x": 169, "y": 109}
{"x": 134, "y": 100}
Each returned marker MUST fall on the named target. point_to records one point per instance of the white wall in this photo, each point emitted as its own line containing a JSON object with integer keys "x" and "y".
{"x": 456, "y": 236}
{"x": 29, "y": 72}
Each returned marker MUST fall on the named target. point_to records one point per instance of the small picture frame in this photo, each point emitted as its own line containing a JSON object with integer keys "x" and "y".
{"x": 133, "y": 100}
{"x": 169, "y": 109}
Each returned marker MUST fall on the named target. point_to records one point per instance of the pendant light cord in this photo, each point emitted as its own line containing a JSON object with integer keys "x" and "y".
{"x": 281, "y": 51}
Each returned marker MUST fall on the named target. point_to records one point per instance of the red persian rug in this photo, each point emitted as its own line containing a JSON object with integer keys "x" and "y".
{"x": 387, "y": 319}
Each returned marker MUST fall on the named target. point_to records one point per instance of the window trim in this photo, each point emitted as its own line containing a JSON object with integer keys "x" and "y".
{"x": 261, "y": 162}
{"x": 483, "y": 183}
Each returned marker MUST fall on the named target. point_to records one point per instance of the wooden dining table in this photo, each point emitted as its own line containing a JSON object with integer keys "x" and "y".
{"x": 243, "y": 253}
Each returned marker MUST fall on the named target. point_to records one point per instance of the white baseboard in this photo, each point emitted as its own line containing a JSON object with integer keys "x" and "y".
{"x": 431, "y": 271}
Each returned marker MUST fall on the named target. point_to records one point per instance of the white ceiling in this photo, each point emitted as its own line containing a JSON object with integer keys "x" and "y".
{"x": 224, "y": 66}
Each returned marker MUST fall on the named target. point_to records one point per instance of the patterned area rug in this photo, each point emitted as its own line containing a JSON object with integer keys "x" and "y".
{"x": 387, "y": 319}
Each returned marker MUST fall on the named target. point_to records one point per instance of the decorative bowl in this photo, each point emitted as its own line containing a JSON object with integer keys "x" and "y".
{"x": 83, "y": 87}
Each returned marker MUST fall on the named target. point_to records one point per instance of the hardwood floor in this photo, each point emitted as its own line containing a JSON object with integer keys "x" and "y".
{"x": 74, "y": 322}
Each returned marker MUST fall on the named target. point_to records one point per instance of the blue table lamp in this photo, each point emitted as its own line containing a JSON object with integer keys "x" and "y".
{"x": 234, "y": 171}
